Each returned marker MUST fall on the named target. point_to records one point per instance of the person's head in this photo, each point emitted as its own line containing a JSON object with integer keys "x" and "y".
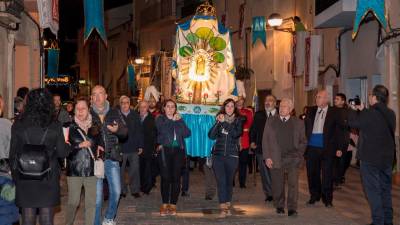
{"x": 270, "y": 102}
{"x": 22, "y": 92}
{"x": 152, "y": 103}
{"x": 125, "y": 103}
{"x": 169, "y": 107}
{"x": 57, "y": 101}
{"x": 229, "y": 108}
{"x": 82, "y": 108}
{"x": 143, "y": 107}
{"x": 240, "y": 102}
{"x": 19, "y": 104}
{"x": 305, "y": 108}
{"x": 285, "y": 107}
{"x": 99, "y": 96}
{"x": 340, "y": 100}
{"x": 380, "y": 94}
{"x": 39, "y": 108}
{"x": 322, "y": 98}
{"x": 70, "y": 107}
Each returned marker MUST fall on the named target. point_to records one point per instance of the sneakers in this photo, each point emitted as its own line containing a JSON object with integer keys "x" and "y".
{"x": 108, "y": 222}
{"x": 164, "y": 210}
{"x": 172, "y": 210}
{"x": 225, "y": 210}
{"x": 168, "y": 209}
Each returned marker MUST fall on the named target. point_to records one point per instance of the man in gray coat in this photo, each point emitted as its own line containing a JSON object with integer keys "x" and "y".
{"x": 284, "y": 143}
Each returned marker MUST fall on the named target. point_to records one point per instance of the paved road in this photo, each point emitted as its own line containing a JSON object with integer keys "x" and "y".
{"x": 350, "y": 207}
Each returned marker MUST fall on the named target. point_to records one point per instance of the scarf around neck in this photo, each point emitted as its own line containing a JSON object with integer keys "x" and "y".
{"x": 230, "y": 118}
{"x": 84, "y": 124}
{"x": 104, "y": 111}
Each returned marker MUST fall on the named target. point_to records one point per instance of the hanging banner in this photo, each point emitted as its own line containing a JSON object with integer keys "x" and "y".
{"x": 376, "y": 7}
{"x": 130, "y": 69}
{"x": 242, "y": 9}
{"x": 94, "y": 19}
{"x": 48, "y": 15}
{"x": 52, "y": 62}
{"x": 313, "y": 48}
{"x": 258, "y": 30}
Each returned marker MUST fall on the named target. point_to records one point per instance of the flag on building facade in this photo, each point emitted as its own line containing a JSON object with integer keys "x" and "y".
{"x": 52, "y": 62}
{"x": 258, "y": 30}
{"x": 376, "y": 7}
{"x": 94, "y": 19}
{"x": 242, "y": 11}
{"x": 130, "y": 69}
{"x": 48, "y": 15}
{"x": 312, "y": 53}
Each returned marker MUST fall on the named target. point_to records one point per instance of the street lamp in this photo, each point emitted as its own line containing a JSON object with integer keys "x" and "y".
{"x": 275, "y": 20}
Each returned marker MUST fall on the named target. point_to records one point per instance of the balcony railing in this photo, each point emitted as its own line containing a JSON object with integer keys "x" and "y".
{"x": 165, "y": 9}
{"x": 11, "y": 8}
{"x": 321, "y": 5}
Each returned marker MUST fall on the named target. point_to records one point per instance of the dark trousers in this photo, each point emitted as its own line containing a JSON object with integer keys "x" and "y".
{"x": 251, "y": 161}
{"x": 185, "y": 175}
{"x": 224, "y": 169}
{"x": 265, "y": 175}
{"x": 377, "y": 183}
{"x": 171, "y": 161}
{"x": 145, "y": 174}
{"x": 243, "y": 164}
{"x": 279, "y": 184}
{"x": 317, "y": 163}
{"x": 155, "y": 170}
{"x": 345, "y": 164}
{"x": 133, "y": 172}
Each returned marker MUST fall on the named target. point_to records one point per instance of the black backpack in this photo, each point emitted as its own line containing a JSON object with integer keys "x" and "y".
{"x": 33, "y": 161}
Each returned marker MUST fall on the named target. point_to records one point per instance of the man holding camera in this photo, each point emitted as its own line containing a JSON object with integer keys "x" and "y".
{"x": 376, "y": 152}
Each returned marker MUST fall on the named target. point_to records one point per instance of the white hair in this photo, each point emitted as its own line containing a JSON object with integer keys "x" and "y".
{"x": 288, "y": 101}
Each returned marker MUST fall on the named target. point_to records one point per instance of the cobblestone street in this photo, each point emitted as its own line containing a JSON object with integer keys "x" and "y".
{"x": 350, "y": 207}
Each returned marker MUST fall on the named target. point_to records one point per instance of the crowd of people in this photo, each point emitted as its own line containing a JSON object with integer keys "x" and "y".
{"x": 122, "y": 150}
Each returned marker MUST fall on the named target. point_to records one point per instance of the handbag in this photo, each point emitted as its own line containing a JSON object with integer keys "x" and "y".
{"x": 33, "y": 162}
{"x": 98, "y": 163}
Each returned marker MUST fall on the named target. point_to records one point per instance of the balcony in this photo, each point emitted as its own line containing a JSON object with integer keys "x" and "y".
{"x": 10, "y": 11}
{"x": 334, "y": 13}
{"x": 159, "y": 13}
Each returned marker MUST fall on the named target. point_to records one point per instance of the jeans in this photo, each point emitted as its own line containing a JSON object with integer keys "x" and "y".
{"x": 74, "y": 196}
{"x": 243, "y": 164}
{"x": 209, "y": 178}
{"x": 265, "y": 176}
{"x": 133, "y": 173}
{"x": 377, "y": 183}
{"x": 113, "y": 176}
{"x": 171, "y": 161}
{"x": 224, "y": 169}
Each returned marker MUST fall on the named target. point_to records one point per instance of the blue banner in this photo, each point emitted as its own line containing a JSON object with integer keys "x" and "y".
{"x": 94, "y": 19}
{"x": 258, "y": 30}
{"x": 376, "y": 7}
{"x": 52, "y": 62}
{"x": 131, "y": 78}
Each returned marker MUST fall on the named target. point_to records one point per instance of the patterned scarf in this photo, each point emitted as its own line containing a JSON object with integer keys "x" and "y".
{"x": 229, "y": 119}
{"x": 85, "y": 124}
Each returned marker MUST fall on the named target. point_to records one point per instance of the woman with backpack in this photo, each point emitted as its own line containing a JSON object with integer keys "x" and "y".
{"x": 85, "y": 137}
{"x": 37, "y": 142}
{"x": 225, "y": 154}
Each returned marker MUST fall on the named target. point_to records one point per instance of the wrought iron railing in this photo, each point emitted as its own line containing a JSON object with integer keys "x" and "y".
{"x": 13, "y": 7}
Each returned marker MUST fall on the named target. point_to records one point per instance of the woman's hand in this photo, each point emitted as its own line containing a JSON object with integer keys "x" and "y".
{"x": 85, "y": 144}
{"x": 177, "y": 117}
{"x": 221, "y": 118}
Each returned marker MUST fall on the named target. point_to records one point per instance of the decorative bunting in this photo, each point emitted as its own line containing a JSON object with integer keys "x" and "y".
{"x": 258, "y": 28}
{"x": 376, "y": 7}
{"x": 130, "y": 69}
{"x": 52, "y": 62}
{"x": 94, "y": 19}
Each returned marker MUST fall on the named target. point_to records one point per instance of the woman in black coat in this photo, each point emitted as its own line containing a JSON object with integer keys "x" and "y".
{"x": 226, "y": 132}
{"x": 38, "y": 195}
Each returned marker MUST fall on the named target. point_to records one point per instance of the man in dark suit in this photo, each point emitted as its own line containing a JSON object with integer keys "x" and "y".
{"x": 322, "y": 127}
{"x": 149, "y": 140}
{"x": 376, "y": 152}
{"x": 285, "y": 141}
{"x": 256, "y": 138}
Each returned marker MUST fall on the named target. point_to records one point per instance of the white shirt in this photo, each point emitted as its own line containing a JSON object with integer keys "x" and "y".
{"x": 285, "y": 119}
{"x": 273, "y": 112}
{"x": 319, "y": 120}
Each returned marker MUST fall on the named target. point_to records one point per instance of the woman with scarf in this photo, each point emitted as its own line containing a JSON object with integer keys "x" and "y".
{"x": 172, "y": 131}
{"x": 84, "y": 137}
{"x": 225, "y": 154}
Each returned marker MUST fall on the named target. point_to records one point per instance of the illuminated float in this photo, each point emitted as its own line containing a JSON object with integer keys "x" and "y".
{"x": 204, "y": 73}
